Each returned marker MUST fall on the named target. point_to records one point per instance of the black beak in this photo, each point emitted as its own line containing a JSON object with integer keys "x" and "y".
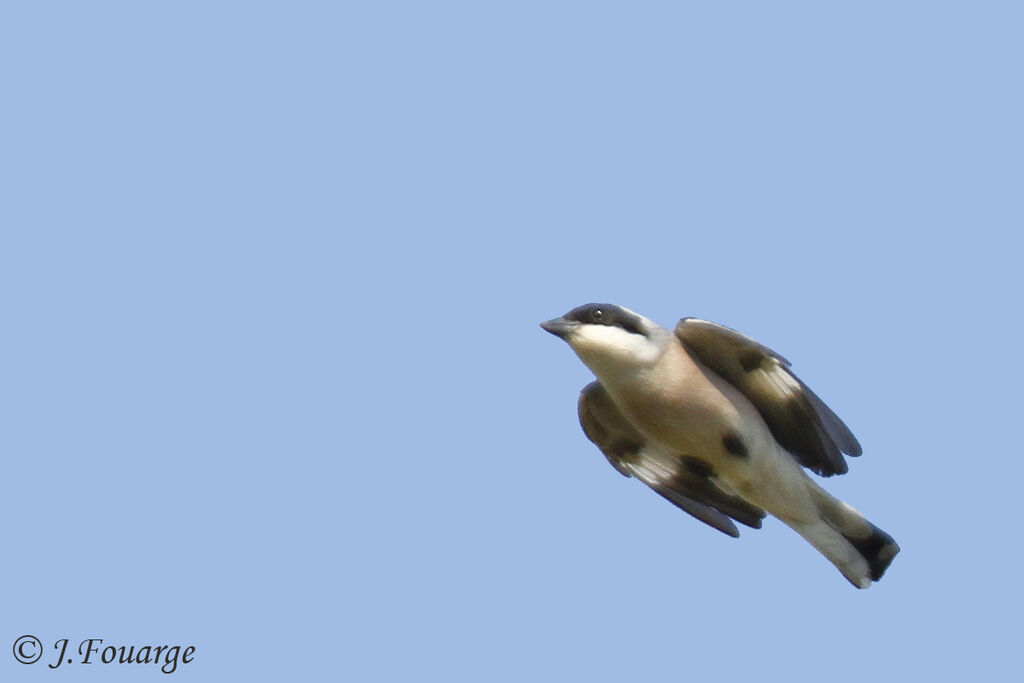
{"x": 560, "y": 327}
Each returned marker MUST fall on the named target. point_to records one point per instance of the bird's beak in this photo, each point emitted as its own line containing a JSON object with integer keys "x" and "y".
{"x": 560, "y": 327}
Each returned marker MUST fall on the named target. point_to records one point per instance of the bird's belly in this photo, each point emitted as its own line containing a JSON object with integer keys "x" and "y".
{"x": 697, "y": 425}
{"x": 679, "y": 421}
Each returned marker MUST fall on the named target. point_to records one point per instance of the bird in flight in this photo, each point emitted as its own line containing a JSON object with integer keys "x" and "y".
{"x": 720, "y": 426}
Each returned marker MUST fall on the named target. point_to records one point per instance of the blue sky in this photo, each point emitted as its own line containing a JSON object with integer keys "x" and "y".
{"x": 273, "y": 381}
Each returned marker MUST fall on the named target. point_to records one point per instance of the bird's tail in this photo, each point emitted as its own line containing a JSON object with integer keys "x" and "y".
{"x": 858, "y": 548}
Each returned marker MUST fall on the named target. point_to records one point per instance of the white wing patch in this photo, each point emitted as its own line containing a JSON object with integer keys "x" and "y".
{"x": 651, "y": 467}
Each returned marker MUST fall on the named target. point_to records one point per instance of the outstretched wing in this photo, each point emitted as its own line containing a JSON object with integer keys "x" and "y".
{"x": 799, "y": 420}
{"x": 683, "y": 482}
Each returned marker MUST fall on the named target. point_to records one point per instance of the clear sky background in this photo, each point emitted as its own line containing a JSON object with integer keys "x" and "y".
{"x": 272, "y": 381}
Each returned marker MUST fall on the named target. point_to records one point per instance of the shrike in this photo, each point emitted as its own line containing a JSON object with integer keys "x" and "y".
{"x": 720, "y": 426}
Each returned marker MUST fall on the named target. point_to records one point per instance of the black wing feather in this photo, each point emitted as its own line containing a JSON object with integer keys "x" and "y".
{"x": 798, "y": 419}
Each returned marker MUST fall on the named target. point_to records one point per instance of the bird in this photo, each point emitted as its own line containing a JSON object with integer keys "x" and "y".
{"x": 720, "y": 426}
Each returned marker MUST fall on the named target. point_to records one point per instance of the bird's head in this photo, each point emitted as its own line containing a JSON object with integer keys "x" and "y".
{"x": 610, "y": 339}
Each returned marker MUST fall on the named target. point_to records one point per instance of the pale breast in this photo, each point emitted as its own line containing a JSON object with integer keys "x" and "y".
{"x": 685, "y": 407}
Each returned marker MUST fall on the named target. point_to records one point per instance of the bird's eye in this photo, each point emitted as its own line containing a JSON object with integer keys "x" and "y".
{"x": 597, "y": 315}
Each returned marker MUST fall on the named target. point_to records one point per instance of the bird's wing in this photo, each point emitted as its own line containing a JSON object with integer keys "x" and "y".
{"x": 680, "y": 481}
{"x": 798, "y": 419}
